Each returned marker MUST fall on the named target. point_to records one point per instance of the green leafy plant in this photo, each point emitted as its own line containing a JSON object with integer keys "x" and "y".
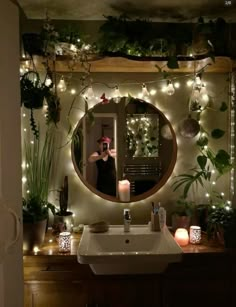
{"x": 201, "y": 174}
{"x": 39, "y": 161}
{"x": 222, "y": 223}
{"x": 184, "y": 207}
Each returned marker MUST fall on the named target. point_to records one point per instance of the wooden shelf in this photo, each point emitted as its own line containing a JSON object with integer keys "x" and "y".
{"x": 123, "y": 65}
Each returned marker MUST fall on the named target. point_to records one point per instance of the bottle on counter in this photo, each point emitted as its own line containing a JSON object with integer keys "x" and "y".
{"x": 127, "y": 220}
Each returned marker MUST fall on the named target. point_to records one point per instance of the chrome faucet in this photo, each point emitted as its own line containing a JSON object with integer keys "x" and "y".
{"x": 127, "y": 220}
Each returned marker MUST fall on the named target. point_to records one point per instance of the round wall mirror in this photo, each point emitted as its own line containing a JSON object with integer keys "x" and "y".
{"x": 124, "y": 150}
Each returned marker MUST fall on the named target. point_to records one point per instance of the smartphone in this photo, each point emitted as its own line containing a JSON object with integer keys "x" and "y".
{"x": 105, "y": 146}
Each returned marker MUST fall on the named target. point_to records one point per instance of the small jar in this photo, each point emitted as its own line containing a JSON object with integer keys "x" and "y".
{"x": 64, "y": 242}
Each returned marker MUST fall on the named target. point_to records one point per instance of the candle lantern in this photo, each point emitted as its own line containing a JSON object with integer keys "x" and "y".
{"x": 195, "y": 234}
{"x": 124, "y": 190}
{"x": 181, "y": 236}
{"x": 64, "y": 242}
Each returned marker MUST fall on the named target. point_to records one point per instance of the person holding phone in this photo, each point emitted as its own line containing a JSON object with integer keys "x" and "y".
{"x": 104, "y": 158}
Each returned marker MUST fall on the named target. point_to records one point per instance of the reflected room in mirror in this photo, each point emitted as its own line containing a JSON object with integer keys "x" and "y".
{"x": 131, "y": 140}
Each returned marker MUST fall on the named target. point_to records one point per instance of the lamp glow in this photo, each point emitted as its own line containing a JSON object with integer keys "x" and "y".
{"x": 181, "y": 236}
{"x": 62, "y": 85}
{"x": 170, "y": 90}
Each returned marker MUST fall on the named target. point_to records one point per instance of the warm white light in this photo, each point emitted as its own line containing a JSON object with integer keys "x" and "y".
{"x": 207, "y": 195}
{"x": 48, "y": 81}
{"x": 176, "y": 84}
{"x": 24, "y": 115}
{"x": 50, "y": 240}
{"x": 189, "y": 83}
{"x": 222, "y": 194}
{"x": 227, "y": 208}
{"x": 24, "y": 179}
{"x": 25, "y": 129}
{"x": 213, "y": 182}
{"x": 36, "y": 249}
{"x": 32, "y": 142}
{"x": 153, "y": 92}
{"x": 170, "y": 90}
{"x": 73, "y": 91}
{"x": 198, "y": 81}
{"x": 62, "y": 85}
{"x": 78, "y": 40}
{"x": 117, "y": 92}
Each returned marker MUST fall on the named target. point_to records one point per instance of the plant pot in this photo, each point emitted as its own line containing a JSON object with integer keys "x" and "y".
{"x": 33, "y": 234}
{"x": 179, "y": 221}
{"x": 65, "y": 219}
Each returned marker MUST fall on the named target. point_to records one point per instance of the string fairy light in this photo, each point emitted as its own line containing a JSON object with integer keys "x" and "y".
{"x": 62, "y": 85}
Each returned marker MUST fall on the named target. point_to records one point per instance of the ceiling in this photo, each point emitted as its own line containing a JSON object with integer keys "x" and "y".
{"x": 156, "y": 10}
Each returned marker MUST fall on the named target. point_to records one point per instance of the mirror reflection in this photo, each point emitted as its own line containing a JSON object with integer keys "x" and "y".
{"x": 124, "y": 151}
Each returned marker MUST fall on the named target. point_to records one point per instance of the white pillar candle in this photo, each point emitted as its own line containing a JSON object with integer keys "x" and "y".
{"x": 181, "y": 236}
{"x": 64, "y": 242}
{"x": 124, "y": 190}
{"x": 195, "y": 234}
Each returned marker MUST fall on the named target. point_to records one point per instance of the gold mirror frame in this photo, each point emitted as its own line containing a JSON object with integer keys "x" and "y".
{"x": 152, "y": 190}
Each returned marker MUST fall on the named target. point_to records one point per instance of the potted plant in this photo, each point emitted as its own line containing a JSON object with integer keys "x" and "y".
{"x": 63, "y": 219}
{"x": 181, "y": 217}
{"x": 201, "y": 175}
{"x": 222, "y": 225}
{"x": 39, "y": 161}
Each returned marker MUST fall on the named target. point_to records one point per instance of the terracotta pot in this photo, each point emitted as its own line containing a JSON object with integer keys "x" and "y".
{"x": 33, "y": 234}
{"x": 180, "y": 221}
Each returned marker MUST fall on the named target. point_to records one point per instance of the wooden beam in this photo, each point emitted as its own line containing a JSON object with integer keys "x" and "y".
{"x": 118, "y": 64}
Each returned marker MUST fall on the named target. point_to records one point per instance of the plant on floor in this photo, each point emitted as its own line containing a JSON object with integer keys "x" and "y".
{"x": 39, "y": 158}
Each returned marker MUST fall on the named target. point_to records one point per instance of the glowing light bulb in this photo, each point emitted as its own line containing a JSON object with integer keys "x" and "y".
{"x": 24, "y": 179}
{"x": 117, "y": 92}
{"x": 62, "y": 85}
{"x": 198, "y": 81}
{"x": 73, "y": 91}
{"x": 176, "y": 84}
{"x": 145, "y": 92}
{"x": 189, "y": 83}
{"x": 170, "y": 90}
{"x": 48, "y": 81}
{"x": 153, "y": 92}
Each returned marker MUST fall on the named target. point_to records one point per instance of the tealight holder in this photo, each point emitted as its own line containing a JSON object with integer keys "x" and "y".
{"x": 64, "y": 242}
{"x": 195, "y": 234}
{"x": 181, "y": 236}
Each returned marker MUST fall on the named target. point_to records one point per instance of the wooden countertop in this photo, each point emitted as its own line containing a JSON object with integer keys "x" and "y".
{"x": 50, "y": 247}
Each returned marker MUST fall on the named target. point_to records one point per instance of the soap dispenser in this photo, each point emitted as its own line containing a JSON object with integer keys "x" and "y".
{"x": 127, "y": 220}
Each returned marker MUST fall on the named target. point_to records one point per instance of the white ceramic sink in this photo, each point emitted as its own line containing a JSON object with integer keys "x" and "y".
{"x": 139, "y": 251}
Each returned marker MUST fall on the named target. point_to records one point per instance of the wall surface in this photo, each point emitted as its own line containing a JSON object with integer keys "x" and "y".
{"x": 89, "y": 207}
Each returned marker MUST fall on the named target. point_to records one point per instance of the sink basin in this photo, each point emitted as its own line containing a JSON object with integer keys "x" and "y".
{"x": 139, "y": 251}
